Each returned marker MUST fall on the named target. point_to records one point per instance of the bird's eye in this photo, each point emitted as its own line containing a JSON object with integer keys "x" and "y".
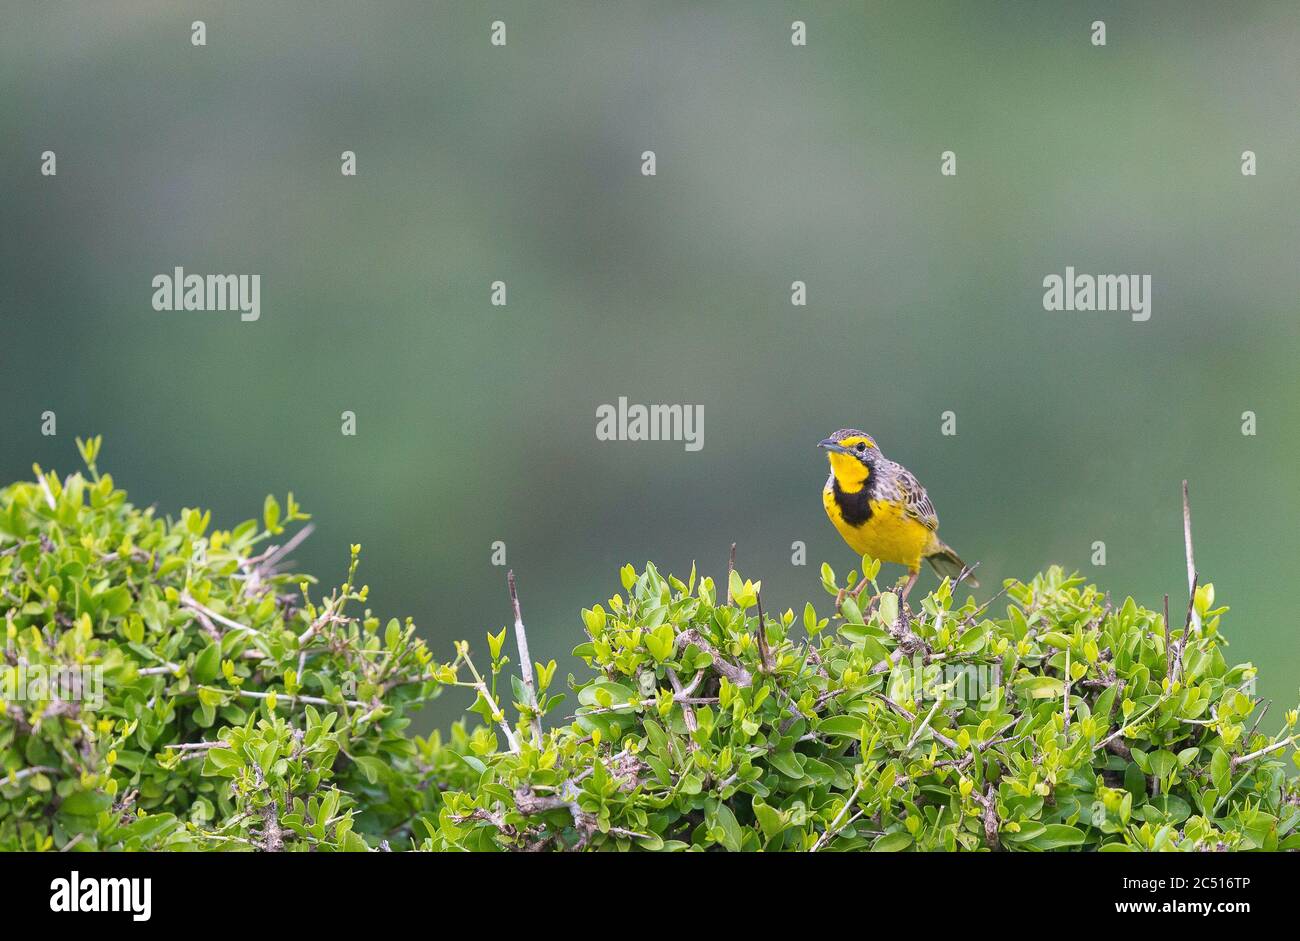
{"x": 861, "y": 447}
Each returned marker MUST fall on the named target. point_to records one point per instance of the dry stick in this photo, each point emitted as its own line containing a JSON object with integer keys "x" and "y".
{"x": 970, "y": 619}
{"x": 731, "y": 567}
{"x": 688, "y": 714}
{"x": 684, "y": 700}
{"x": 966, "y": 572}
{"x": 1065, "y": 704}
{"x": 923, "y": 726}
{"x": 327, "y": 614}
{"x": 989, "y": 802}
{"x": 1187, "y": 624}
{"x": 45, "y": 486}
{"x": 1191, "y": 563}
{"x": 187, "y": 600}
{"x": 764, "y": 655}
{"x": 28, "y": 772}
{"x": 907, "y": 714}
{"x": 270, "y": 562}
{"x": 525, "y": 660}
{"x": 272, "y": 835}
{"x": 835, "y": 824}
{"x": 1260, "y": 718}
{"x": 1126, "y": 725}
{"x": 492, "y": 705}
{"x": 1169, "y": 650}
{"x": 737, "y": 674}
{"x": 291, "y": 700}
{"x": 1242, "y": 759}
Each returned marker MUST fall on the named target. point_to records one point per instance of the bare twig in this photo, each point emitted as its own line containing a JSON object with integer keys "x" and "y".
{"x": 966, "y": 572}
{"x": 1187, "y": 627}
{"x": 276, "y": 555}
{"x": 923, "y": 726}
{"x": 764, "y": 654}
{"x": 328, "y": 614}
{"x": 187, "y": 600}
{"x": 1242, "y": 759}
{"x": 989, "y": 802}
{"x": 731, "y": 567}
{"x": 497, "y": 711}
{"x": 688, "y": 714}
{"x": 650, "y": 701}
{"x": 285, "y": 697}
{"x": 528, "y": 803}
{"x": 970, "y": 619}
{"x": 1258, "y": 719}
{"x": 1169, "y": 647}
{"x": 1195, "y": 619}
{"x": 906, "y": 714}
{"x": 1065, "y": 704}
{"x": 525, "y": 660}
{"x": 45, "y": 488}
{"x": 732, "y": 671}
{"x": 272, "y": 836}
{"x": 28, "y": 772}
{"x": 835, "y": 824}
{"x": 1114, "y": 737}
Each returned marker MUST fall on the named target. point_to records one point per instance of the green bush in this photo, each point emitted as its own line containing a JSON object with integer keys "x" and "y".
{"x": 239, "y": 713}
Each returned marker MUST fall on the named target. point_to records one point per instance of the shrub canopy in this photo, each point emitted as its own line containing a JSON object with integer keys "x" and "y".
{"x": 243, "y": 710}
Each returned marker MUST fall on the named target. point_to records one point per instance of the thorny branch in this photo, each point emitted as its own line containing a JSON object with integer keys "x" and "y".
{"x": 525, "y": 661}
{"x": 1194, "y": 619}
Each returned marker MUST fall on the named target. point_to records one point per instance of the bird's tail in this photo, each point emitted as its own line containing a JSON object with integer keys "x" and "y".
{"x": 946, "y": 562}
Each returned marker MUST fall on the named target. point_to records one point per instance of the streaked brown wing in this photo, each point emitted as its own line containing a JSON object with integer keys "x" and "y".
{"x": 916, "y": 501}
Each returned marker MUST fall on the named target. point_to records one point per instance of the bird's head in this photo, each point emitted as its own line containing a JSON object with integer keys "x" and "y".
{"x": 853, "y": 455}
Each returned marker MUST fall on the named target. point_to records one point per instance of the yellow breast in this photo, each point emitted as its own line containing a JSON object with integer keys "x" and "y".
{"x": 889, "y": 534}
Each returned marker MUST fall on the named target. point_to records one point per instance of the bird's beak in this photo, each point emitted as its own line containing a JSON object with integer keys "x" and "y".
{"x": 830, "y": 444}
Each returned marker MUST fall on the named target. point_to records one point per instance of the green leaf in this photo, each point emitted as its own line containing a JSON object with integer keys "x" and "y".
{"x": 144, "y": 830}
{"x": 787, "y": 763}
{"x": 208, "y": 663}
{"x": 1163, "y": 763}
{"x": 888, "y": 608}
{"x": 1056, "y": 836}
{"x": 1219, "y": 771}
{"x": 353, "y": 843}
{"x": 850, "y": 726}
{"x": 221, "y": 762}
{"x": 115, "y": 601}
{"x": 769, "y": 819}
{"x": 271, "y": 515}
{"x": 371, "y": 767}
{"x": 892, "y": 842}
{"x": 732, "y": 838}
{"x": 85, "y": 803}
{"x": 1042, "y": 687}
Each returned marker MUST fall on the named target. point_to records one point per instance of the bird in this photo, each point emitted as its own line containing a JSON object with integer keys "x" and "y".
{"x": 881, "y": 509}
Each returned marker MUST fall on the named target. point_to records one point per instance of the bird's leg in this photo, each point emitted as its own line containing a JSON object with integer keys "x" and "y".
{"x": 916, "y": 573}
{"x": 856, "y": 595}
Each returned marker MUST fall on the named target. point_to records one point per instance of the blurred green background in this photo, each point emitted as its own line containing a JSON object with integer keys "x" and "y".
{"x": 775, "y": 163}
